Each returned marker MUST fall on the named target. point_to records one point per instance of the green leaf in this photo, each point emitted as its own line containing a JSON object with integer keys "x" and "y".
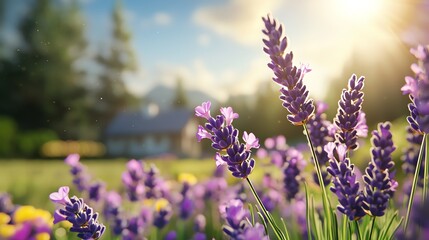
{"x": 307, "y": 211}
{"x": 252, "y": 214}
{"x": 426, "y": 172}
{"x": 414, "y": 186}
{"x": 263, "y": 222}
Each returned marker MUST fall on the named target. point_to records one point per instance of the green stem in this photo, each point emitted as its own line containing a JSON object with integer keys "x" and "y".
{"x": 307, "y": 212}
{"x": 182, "y": 229}
{"x": 359, "y": 235}
{"x": 155, "y": 233}
{"x": 413, "y": 187}
{"x": 326, "y": 203}
{"x": 275, "y": 228}
{"x": 345, "y": 227}
{"x": 425, "y": 179}
{"x": 372, "y": 227}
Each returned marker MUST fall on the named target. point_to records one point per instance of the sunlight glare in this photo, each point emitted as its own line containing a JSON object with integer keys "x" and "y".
{"x": 365, "y": 9}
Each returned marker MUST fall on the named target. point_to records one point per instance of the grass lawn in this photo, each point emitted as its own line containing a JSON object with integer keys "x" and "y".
{"x": 31, "y": 181}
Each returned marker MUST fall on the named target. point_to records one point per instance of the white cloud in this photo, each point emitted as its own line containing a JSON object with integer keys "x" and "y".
{"x": 219, "y": 84}
{"x": 247, "y": 82}
{"x": 203, "y": 40}
{"x": 136, "y": 82}
{"x": 129, "y": 15}
{"x": 236, "y": 19}
{"x": 162, "y": 18}
{"x": 196, "y": 76}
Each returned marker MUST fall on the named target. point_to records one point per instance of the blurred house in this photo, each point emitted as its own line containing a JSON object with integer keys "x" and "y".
{"x": 152, "y": 133}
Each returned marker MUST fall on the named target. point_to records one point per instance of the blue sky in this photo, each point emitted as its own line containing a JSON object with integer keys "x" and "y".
{"x": 215, "y": 45}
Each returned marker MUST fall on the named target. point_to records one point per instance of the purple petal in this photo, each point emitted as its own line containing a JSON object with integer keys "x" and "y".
{"x": 72, "y": 159}
{"x": 60, "y": 197}
{"x": 203, "y": 110}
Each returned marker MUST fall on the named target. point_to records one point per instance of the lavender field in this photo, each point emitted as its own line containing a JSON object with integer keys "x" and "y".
{"x": 214, "y": 119}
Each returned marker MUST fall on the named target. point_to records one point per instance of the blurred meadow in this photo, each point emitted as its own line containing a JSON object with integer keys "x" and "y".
{"x": 31, "y": 181}
{"x": 116, "y": 80}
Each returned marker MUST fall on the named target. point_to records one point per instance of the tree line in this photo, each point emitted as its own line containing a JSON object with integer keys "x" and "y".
{"x": 44, "y": 94}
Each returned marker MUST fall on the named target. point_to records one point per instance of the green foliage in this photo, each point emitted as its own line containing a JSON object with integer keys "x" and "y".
{"x": 41, "y": 86}
{"x": 7, "y": 137}
{"x": 266, "y": 110}
{"x": 112, "y": 95}
{"x": 29, "y": 143}
{"x": 180, "y": 99}
{"x": 383, "y": 81}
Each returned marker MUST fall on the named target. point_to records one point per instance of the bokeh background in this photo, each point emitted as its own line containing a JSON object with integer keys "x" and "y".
{"x": 114, "y": 80}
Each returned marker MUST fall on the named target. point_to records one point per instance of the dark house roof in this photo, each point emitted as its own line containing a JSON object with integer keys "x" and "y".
{"x": 138, "y": 123}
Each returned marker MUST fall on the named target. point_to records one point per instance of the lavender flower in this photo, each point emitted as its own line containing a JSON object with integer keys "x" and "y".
{"x": 132, "y": 179}
{"x": 293, "y": 165}
{"x": 199, "y": 227}
{"x": 383, "y": 147}
{"x": 224, "y": 137}
{"x": 187, "y": 207}
{"x": 199, "y": 236}
{"x": 6, "y": 205}
{"x": 421, "y": 211}
{"x": 235, "y": 215}
{"x": 172, "y": 235}
{"x": 346, "y": 187}
{"x": 239, "y": 228}
{"x": 133, "y": 229}
{"x": 214, "y": 187}
{"x": 379, "y": 184}
{"x": 163, "y": 213}
{"x": 96, "y": 191}
{"x": 271, "y": 199}
{"x": 187, "y": 203}
{"x": 418, "y": 89}
{"x": 81, "y": 178}
{"x": 320, "y": 135}
{"x": 82, "y": 217}
{"x": 200, "y": 223}
{"x": 293, "y": 91}
{"x": 411, "y": 154}
{"x": 349, "y": 121}
{"x": 152, "y": 183}
{"x": 256, "y": 232}
{"x": 111, "y": 212}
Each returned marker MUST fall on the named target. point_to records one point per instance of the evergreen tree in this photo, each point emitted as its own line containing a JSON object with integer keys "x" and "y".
{"x": 2, "y": 4}
{"x": 180, "y": 99}
{"x": 42, "y": 87}
{"x": 112, "y": 93}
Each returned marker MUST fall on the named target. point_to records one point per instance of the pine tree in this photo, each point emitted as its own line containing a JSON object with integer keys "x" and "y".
{"x": 180, "y": 100}
{"x": 112, "y": 94}
{"x": 45, "y": 84}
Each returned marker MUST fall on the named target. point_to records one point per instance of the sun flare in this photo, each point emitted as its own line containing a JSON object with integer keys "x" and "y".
{"x": 362, "y": 7}
{"x": 361, "y": 10}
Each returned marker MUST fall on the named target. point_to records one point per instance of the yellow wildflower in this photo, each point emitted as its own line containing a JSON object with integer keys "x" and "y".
{"x": 161, "y": 203}
{"x": 6, "y": 231}
{"x": 188, "y": 178}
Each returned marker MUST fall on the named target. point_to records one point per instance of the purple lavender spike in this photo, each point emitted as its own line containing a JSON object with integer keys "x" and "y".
{"x": 320, "y": 135}
{"x": 379, "y": 183}
{"x": 224, "y": 137}
{"x": 294, "y": 93}
{"x": 82, "y": 217}
{"x": 417, "y": 88}
{"x": 294, "y": 163}
{"x": 348, "y": 116}
{"x": 81, "y": 178}
{"x": 346, "y": 186}
{"x": 411, "y": 154}
{"x": 132, "y": 179}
